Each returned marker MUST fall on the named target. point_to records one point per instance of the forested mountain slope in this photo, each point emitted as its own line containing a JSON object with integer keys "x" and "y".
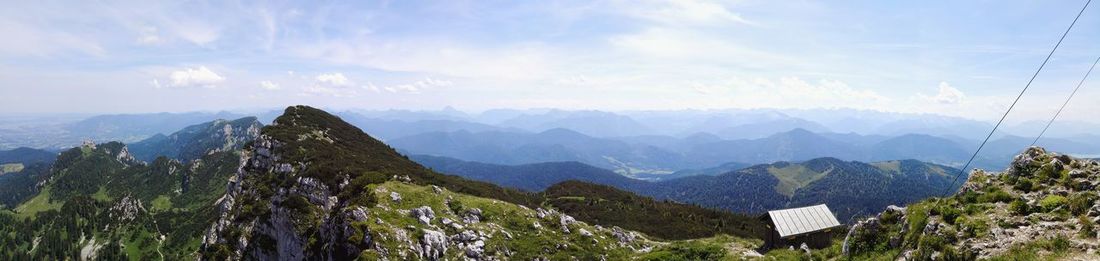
{"x": 850, "y": 188}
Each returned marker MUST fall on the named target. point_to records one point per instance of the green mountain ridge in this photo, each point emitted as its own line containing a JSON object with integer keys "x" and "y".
{"x": 850, "y": 188}
{"x": 313, "y": 187}
{"x": 310, "y": 172}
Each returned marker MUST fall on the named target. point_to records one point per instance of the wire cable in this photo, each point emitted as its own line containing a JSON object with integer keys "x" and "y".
{"x": 998, "y": 125}
{"x": 1079, "y": 84}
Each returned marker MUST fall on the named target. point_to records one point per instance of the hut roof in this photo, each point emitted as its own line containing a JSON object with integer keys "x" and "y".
{"x": 796, "y": 221}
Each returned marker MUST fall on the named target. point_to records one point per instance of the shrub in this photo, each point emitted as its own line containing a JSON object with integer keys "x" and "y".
{"x": 1053, "y": 202}
{"x": 456, "y": 207}
{"x": 690, "y": 251}
{"x": 1066, "y": 180}
{"x": 1010, "y": 179}
{"x": 1081, "y": 202}
{"x": 1058, "y": 244}
{"x": 1023, "y": 185}
{"x": 995, "y": 194}
{"x": 1018, "y": 207}
{"x": 1088, "y": 229}
{"x": 949, "y": 213}
{"x": 1046, "y": 173}
{"x": 973, "y": 227}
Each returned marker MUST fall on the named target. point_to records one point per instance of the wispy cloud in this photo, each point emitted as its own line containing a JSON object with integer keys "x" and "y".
{"x": 268, "y": 85}
{"x": 685, "y": 11}
{"x": 605, "y": 54}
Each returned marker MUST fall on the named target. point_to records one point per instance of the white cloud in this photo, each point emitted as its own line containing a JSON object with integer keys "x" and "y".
{"x": 269, "y": 85}
{"x": 193, "y": 77}
{"x": 333, "y": 79}
{"x": 331, "y": 84}
{"x": 415, "y": 87}
{"x": 948, "y": 95}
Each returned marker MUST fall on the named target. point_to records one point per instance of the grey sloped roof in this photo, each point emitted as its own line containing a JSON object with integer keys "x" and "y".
{"x": 795, "y": 221}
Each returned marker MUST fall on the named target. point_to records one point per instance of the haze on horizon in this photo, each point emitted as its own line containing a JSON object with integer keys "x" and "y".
{"x": 965, "y": 59}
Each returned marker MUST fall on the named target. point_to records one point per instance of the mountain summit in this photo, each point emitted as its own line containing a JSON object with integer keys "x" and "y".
{"x": 315, "y": 187}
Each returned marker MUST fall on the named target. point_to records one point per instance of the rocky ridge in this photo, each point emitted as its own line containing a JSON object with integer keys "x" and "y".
{"x": 1044, "y": 205}
{"x": 312, "y": 187}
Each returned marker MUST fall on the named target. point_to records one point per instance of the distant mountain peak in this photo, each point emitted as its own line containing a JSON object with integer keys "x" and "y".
{"x": 195, "y": 141}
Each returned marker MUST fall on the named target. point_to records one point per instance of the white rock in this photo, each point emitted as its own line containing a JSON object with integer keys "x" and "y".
{"x": 433, "y": 244}
{"x": 584, "y": 232}
{"x": 424, "y": 214}
{"x": 395, "y": 197}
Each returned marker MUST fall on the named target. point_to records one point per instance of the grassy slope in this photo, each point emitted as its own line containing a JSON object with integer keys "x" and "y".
{"x": 38, "y": 203}
{"x": 10, "y": 168}
{"x": 794, "y": 176}
{"x": 510, "y": 227}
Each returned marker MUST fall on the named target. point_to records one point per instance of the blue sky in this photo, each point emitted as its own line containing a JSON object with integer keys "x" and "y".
{"x": 960, "y": 58}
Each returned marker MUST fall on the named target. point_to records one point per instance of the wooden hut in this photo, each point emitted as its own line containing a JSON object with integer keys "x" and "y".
{"x": 812, "y": 225}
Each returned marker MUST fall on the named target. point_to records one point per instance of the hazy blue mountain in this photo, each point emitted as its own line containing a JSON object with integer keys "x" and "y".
{"x": 936, "y": 126}
{"x": 496, "y": 116}
{"x": 26, "y": 156}
{"x": 768, "y": 128}
{"x": 653, "y": 157}
{"x": 680, "y": 145}
{"x": 529, "y": 177}
{"x": 447, "y": 113}
{"x": 919, "y": 146}
{"x": 714, "y": 122}
{"x": 511, "y": 148}
{"x": 592, "y": 123}
{"x": 103, "y": 128}
{"x": 132, "y": 127}
{"x": 196, "y": 141}
{"x": 388, "y": 129}
{"x": 795, "y": 145}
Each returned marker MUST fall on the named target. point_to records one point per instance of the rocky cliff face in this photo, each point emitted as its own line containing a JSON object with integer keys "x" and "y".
{"x": 199, "y": 140}
{"x": 1043, "y": 206}
{"x": 313, "y": 187}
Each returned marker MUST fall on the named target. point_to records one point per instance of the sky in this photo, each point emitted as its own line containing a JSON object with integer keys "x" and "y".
{"x": 957, "y": 58}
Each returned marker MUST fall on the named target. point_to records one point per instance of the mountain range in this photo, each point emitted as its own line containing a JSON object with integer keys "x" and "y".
{"x": 312, "y": 186}
{"x": 658, "y": 142}
{"x": 651, "y": 156}
{"x": 851, "y": 188}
